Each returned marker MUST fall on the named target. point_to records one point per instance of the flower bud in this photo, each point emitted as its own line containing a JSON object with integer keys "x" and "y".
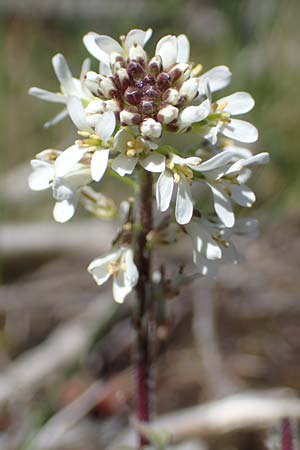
{"x": 117, "y": 59}
{"x": 171, "y": 96}
{"x": 151, "y": 128}
{"x": 95, "y": 107}
{"x": 147, "y": 106}
{"x": 133, "y": 95}
{"x": 112, "y": 105}
{"x": 123, "y": 78}
{"x": 136, "y": 52}
{"x": 130, "y": 118}
{"x": 92, "y": 82}
{"x": 148, "y": 79}
{"x": 152, "y": 92}
{"x": 167, "y": 114}
{"x": 135, "y": 70}
{"x": 179, "y": 72}
{"x": 163, "y": 81}
{"x": 107, "y": 86}
{"x": 189, "y": 89}
{"x": 155, "y": 65}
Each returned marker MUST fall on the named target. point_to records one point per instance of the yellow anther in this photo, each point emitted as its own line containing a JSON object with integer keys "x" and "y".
{"x": 83, "y": 133}
{"x": 131, "y": 152}
{"x": 196, "y": 70}
{"x": 176, "y": 177}
{"x": 94, "y": 136}
{"x": 169, "y": 164}
{"x": 113, "y": 268}
{"x": 123, "y": 267}
{"x": 221, "y": 106}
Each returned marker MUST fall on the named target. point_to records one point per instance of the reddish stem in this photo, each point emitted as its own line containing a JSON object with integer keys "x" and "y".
{"x": 143, "y": 302}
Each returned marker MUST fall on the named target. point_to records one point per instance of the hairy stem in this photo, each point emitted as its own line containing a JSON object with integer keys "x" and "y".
{"x": 143, "y": 290}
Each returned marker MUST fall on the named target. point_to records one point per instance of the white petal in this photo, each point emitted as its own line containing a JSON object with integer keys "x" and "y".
{"x": 222, "y": 206}
{"x": 85, "y": 67}
{"x": 240, "y": 130}
{"x": 215, "y": 162}
{"x": 48, "y": 96}
{"x": 190, "y": 161}
{"x": 68, "y": 159}
{"x": 131, "y": 273}
{"x": 238, "y": 152}
{"x": 42, "y": 177}
{"x": 77, "y": 114}
{"x": 99, "y": 164}
{"x": 105, "y": 125}
{"x": 120, "y": 289}
{"x": 64, "y": 211}
{"x": 120, "y": 140}
{"x": 184, "y": 203}
{"x": 104, "y": 69}
{"x": 138, "y": 37}
{"x": 203, "y": 241}
{"x": 192, "y": 114}
{"x": 56, "y": 119}
{"x": 218, "y": 78}
{"x": 242, "y": 195}
{"x": 98, "y": 267}
{"x": 155, "y": 162}
{"x": 164, "y": 189}
{"x": 167, "y": 49}
{"x": 183, "y": 54}
{"x": 206, "y": 268}
{"x": 238, "y": 103}
{"x": 124, "y": 165}
{"x": 64, "y": 74}
{"x": 101, "y": 46}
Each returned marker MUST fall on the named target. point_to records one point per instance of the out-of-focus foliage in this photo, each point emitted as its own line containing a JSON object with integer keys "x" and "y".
{"x": 258, "y": 40}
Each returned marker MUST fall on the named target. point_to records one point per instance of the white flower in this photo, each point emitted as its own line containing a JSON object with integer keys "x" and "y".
{"x": 133, "y": 150}
{"x": 105, "y": 49}
{"x": 224, "y": 174}
{"x": 172, "y": 50}
{"x": 70, "y": 87}
{"x": 66, "y": 186}
{"x": 218, "y": 78}
{"x": 150, "y": 128}
{"x": 119, "y": 264}
{"x": 220, "y": 120}
{"x": 212, "y": 246}
{"x": 97, "y": 130}
{"x": 178, "y": 171}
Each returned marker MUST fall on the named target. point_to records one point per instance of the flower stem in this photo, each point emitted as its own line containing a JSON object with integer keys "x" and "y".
{"x": 143, "y": 290}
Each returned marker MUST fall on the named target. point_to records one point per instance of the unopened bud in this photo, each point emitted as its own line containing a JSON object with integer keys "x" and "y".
{"x": 130, "y": 118}
{"x": 107, "y": 87}
{"x": 167, "y": 114}
{"x": 163, "y": 81}
{"x": 133, "y": 95}
{"x": 95, "y": 107}
{"x": 155, "y": 65}
{"x": 179, "y": 72}
{"x": 189, "y": 89}
{"x": 135, "y": 70}
{"x": 136, "y": 52}
{"x": 171, "y": 96}
{"x": 147, "y": 106}
{"x": 92, "y": 82}
{"x": 112, "y": 105}
{"x": 151, "y": 128}
{"x": 123, "y": 78}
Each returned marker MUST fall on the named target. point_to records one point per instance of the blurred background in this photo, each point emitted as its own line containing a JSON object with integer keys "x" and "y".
{"x": 60, "y": 334}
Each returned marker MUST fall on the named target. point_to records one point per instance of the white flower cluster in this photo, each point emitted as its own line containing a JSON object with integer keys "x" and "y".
{"x": 124, "y": 114}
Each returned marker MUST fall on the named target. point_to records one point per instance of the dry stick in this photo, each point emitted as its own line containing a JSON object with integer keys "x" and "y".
{"x": 143, "y": 290}
{"x": 256, "y": 410}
